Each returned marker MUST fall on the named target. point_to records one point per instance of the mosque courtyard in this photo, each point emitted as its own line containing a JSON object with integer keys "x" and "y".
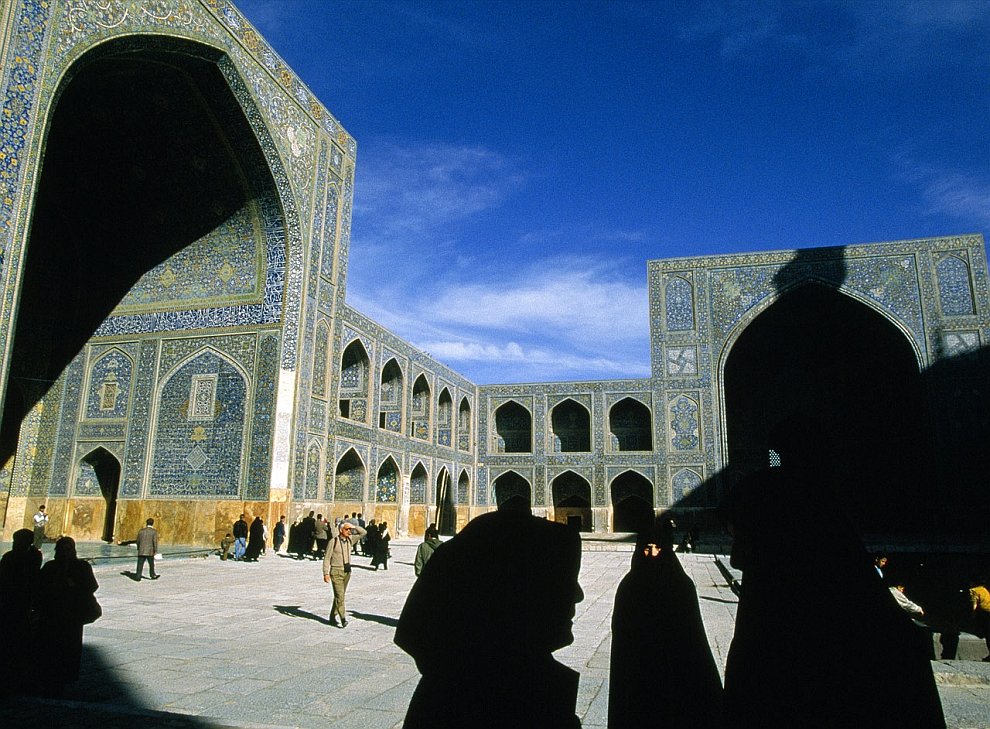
{"x": 229, "y": 644}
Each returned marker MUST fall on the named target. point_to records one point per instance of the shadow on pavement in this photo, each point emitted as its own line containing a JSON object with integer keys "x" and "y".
{"x": 294, "y": 611}
{"x": 98, "y": 699}
{"x": 381, "y": 619}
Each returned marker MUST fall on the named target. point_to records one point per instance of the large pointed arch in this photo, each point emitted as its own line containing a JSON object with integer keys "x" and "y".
{"x": 355, "y": 382}
{"x": 513, "y": 428}
{"x": 818, "y": 354}
{"x": 511, "y": 485}
{"x": 387, "y": 482}
{"x": 633, "y": 502}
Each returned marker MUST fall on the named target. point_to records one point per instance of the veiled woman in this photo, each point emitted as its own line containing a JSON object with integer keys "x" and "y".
{"x": 256, "y": 540}
{"x": 662, "y": 672}
{"x": 65, "y": 586}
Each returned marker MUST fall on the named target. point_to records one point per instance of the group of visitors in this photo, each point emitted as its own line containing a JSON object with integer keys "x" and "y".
{"x": 968, "y": 610}
{"x": 43, "y": 609}
{"x": 248, "y": 541}
{"x": 309, "y": 536}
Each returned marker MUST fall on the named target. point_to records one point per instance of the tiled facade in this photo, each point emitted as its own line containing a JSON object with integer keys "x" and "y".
{"x": 233, "y": 377}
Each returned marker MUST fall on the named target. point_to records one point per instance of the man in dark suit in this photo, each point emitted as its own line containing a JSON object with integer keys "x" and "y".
{"x": 147, "y": 546}
{"x": 484, "y": 618}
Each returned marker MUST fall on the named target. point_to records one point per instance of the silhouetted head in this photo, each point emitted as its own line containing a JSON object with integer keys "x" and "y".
{"x": 431, "y": 532}
{"x": 515, "y": 504}
{"x": 149, "y": 522}
{"x": 23, "y": 539}
{"x": 65, "y": 548}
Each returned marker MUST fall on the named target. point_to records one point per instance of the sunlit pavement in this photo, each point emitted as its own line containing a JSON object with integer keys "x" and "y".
{"x": 234, "y": 644}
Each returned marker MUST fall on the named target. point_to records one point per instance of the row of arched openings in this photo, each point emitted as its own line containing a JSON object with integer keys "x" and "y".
{"x": 424, "y": 416}
{"x": 631, "y": 495}
{"x": 630, "y": 427}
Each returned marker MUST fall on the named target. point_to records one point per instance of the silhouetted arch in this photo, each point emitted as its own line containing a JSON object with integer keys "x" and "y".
{"x": 349, "y": 477}
{"x": 513, "y": 429}
{"x": 571, "y": 424}
{"x": 819, "y": 355}
{"x": 632, "y": 497}
{"x": 511, "y": 484}
{"x": 106, "y": 468}
{"x": 631, "y": 425}
{"x": 446, "y": 519}
{"x": 354, "y": 382}
{"x": 572, "y": 500}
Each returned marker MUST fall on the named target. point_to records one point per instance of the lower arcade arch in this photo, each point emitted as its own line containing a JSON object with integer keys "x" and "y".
{"x": 572, "y": 501}
{"x": 105, "y": 467}
{"x": 632, "y": 502}
{"x": 511, "y": 485}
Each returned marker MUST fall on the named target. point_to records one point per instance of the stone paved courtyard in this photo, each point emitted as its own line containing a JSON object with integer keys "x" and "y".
{"x": 214, "y": 644}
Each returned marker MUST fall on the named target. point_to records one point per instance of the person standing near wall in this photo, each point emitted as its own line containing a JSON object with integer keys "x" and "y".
{"x": 147, "y": 545}
{"x": 431, "y": 540}
{"x": 40, "y": 522}
{"x": 279, "y": 535}
{"x": 240, "y": 537}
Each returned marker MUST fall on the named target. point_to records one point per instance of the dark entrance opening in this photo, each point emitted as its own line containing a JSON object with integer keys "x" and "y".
{"x": 107, "y": 470}
{"x": 509, "y": 485}
{"x": 147, "y": 151}
{"x": 819, "y": 355}
{"x": 632, "y": 503}
{"x": 446, "y": 515}
{"x": 572, "y": 501}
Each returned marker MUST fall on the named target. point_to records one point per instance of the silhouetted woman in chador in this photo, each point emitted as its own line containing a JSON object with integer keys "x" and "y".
{"x": 256, "y": 540}
{"x": 64, "y": 586}
{"x": 662, "y": 673}
{"x": 818, "y": 640}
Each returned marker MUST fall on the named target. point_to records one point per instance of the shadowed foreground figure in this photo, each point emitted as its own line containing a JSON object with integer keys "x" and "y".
{"x": 818, "y": 641}
{"x": 483, "y": 619}
{"x": 662, "y": 672}
{"x": 19, "y": 571}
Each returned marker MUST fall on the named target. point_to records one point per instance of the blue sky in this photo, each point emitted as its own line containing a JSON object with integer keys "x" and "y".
{"x": 519, "y": 162}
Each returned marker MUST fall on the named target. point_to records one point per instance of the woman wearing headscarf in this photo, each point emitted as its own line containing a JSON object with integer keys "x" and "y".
{"x": 66, "y": 588}
{"x": 662, "y": 672}
{"x": 256, "y": 540}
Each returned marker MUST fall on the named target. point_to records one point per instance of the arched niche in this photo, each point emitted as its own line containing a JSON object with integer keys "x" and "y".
{"x": 513, "y": 429}
{"x": 631, "y": 425}
{"x": 509, "y": 485}
{"x": 200, "y": 425}
{"x": 445, "y": 407}
{"x": 349, "y": 478}
{"x": 571, "y": 423}
{"x": 464, "y": 432}
{"x": 571, "y": 495}
{"x": 355, "y": 366}
{"x": 99, "y": 474}
{"x": 632, "y": 502}
{"x": 391, "y": 393}
{"x": 418, "y": 480}
{"x": 387, "y": 483}
{"x": 419, "y": 420}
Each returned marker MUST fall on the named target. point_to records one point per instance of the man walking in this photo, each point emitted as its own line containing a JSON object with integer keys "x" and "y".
{"x": 337, "y": 567}
{"x": 240, "y": 538}
{"x": 40, "y": 522}
{"x": 147, "y": 545}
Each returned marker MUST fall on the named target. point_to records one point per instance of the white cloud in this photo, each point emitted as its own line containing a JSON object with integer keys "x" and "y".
{"x": 557, "y": 319}
{"x": 959, "y": 195}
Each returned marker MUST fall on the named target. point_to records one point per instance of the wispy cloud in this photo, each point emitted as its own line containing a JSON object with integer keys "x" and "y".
{"x": 853, "y": 36}
{"x": 959, "y": 195}
{"x": 570, "y": 319}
